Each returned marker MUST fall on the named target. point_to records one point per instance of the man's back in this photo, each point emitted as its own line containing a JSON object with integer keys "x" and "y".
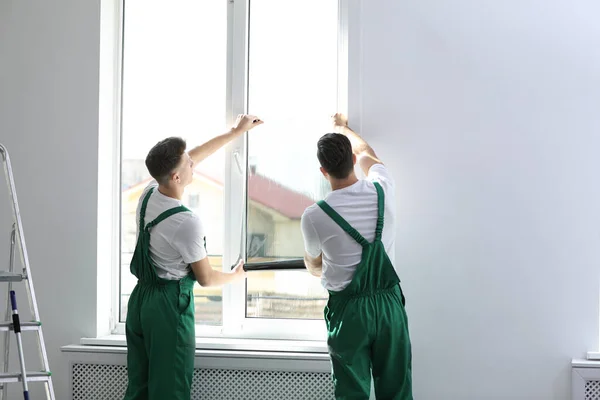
{"x": 177, "y": 241}
{"x": 357, "y": 204}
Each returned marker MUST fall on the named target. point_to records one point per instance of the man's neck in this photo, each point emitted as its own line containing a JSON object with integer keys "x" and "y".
{"x": 173, "y": 192}
{"x": 337, "y": 184}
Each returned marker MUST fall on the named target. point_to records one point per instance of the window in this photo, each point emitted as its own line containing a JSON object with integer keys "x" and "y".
{"x": 188, "y": 69}
{"x": 169, "y": 89}
{"x": 300, "y": 66}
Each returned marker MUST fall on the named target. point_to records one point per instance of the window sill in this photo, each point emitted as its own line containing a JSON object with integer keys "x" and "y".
{"x": 204, "y": 344}
{"x": 246, "y": 354}
{"x": 589, "y": 363}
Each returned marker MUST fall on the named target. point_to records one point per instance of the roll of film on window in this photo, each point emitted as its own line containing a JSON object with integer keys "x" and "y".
{"x": 284, "y": 265}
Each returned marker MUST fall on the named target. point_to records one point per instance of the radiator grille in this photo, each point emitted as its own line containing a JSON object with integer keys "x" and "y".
{"x": 592, "y": 390}
{"x": 108, "y": 382}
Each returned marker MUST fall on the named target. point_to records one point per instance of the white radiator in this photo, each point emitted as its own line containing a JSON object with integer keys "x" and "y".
{"x": 108, "y": 382}
{"x": 585, "y": 380}
{"x": 100, "y": 373}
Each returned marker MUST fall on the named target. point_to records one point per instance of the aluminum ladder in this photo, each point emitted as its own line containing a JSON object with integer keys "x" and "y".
{"x": 17, "y": 240}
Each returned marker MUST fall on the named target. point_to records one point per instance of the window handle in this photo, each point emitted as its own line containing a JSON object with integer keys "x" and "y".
{"x": 236, "y": 156}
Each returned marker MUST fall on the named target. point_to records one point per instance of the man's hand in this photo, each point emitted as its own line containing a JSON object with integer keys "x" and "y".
{"x": 246, "y": 122}
{"x": 340, "y": 121}
{"x": 238, "y": 271}
{"x": 365, "y": 155}
{"x": 314, "y": 265}
{"x": 207, "y": 276}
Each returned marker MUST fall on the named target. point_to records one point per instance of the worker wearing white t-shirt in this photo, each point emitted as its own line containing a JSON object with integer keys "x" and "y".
{"x": 169, "y": 257}
{"x": 349, "y": 242}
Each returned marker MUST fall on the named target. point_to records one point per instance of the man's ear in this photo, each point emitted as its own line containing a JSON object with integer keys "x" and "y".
{"x": 323, "y": 172}
{"x": 353, "y": 159}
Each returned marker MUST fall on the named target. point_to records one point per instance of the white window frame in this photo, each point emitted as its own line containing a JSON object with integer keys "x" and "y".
{"x": 235, "y": 324}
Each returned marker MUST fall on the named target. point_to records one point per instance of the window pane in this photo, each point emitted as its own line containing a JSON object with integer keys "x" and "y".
{"x": 293, "y": 87}
{"x": 174, "y": 84}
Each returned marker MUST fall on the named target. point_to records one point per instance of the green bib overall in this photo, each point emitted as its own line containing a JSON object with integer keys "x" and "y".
{"x": 160, "y": 325}
{"x": 367, "y": 324}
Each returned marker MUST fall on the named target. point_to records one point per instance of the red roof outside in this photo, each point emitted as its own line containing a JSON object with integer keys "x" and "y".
{"x": 272, "y": 195}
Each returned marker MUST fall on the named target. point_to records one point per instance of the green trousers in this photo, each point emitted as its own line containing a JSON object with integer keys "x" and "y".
{"x": 161, "y": 341}
{"x": 368, "y": 337}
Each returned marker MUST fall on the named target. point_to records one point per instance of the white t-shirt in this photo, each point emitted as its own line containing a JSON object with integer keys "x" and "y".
{"x": 357, "y": 204}
{"x": 175, "y": 242}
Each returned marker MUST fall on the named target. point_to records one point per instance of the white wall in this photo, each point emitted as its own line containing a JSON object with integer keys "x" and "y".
{"x": 487, "y": 114}
{"x": 487, "y": 111}
{"x": 49, "y": 122}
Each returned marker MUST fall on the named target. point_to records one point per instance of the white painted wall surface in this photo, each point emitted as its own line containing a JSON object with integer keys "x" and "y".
{"x": 49, "y": 60}
{"x": 487, "y": 112}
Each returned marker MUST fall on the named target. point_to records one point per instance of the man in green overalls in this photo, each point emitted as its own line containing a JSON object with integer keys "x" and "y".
{"x": 349, "y": 246}
{"x": 169, "y": 257}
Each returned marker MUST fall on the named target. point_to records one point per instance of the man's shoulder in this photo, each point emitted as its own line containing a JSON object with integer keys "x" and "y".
{"x": 184, "y": 218}
{"x": 188, "y": 219}
{"x": 381, "y": 174}
{"x": 310, "y": 211}
{"x": 311, "y": 217}
{"x": 186, "y": 225}
{"x": 160, "y": 205}
{"x": 151, "y": 185}
{"x": 379, "y": 170}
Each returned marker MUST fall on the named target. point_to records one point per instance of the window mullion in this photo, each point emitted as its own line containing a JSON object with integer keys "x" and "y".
{"x": 234, "y": 194}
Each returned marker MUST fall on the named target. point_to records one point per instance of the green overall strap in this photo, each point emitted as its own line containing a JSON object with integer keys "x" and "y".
{"x": 166, "y": 215}
{"x": 380, "y": 210}
{"x": 141, "y": 264}
{"x": 337, "y": 218}
{"x": 143, "y": 208}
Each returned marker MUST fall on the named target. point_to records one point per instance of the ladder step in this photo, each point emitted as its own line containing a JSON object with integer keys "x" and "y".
{"x": 25, "y": 326}
{"x": 33, "y": 376}
{"x": 6, "y": 276}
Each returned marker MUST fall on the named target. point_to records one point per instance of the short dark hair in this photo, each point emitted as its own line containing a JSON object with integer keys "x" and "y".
{"x": 164, "y": 158}
{"x": 334, "y": 152}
